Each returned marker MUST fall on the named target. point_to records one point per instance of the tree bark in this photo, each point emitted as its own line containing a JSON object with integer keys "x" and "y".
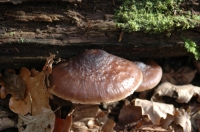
{"x": 30, "y": 31}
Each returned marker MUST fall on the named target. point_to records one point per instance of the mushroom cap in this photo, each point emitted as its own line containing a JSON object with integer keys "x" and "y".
{"x": 152, "y": 74}
{"x": 94, "y": 77}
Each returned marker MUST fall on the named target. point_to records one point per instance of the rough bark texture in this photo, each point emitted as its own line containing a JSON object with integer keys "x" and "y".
{"x": 29, "y": 31}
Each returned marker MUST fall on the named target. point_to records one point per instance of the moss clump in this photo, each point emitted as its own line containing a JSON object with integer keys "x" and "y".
{"x": 154, "y": 16}
{"x": 191, "y": 47}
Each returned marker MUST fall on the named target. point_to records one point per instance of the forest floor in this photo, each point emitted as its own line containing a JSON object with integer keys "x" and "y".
{"x": 179, "y": 112}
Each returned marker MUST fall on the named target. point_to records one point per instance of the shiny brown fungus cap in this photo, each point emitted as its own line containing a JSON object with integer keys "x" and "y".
{"x": 152, "y": 74}
{"x": 93, "y": 77}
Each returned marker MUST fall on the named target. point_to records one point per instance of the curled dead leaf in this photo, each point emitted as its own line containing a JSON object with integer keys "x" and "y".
{"x": 43, "y": 122}
{"x": 12, "y": 84}
{"x": 150, "y": 128}
{"x": 47, "y": 68}
{"x": 182, "y": 94}
{"x": 36, "y": 96}
{"x": 128, "y": 115}
{"x": 90, "y": 118}
{"x": 84, "y": 111}
{"x": 144, "y": 115}
{"x": 197, "y": 65}
{"x": 183, "y": 76}
{"x": 183, "y": 120}
{"x": 3, "y": 92}
{"x": 63, "y": 125}
{"x": 195, "y": 119}
{"x": 154, "y": 110}
{"x": 108, "y": 126}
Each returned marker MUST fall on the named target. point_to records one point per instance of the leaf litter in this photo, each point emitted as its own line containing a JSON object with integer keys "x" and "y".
{"x": 182, "y": 94}
{"x": 30, "y": 100}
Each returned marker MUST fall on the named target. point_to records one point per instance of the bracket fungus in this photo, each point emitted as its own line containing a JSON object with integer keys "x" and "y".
{"x": 152, "y": 74}
{"x": 93, "y": 77}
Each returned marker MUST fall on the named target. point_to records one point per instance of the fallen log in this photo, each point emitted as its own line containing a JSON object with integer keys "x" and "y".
{"x": 30, "y": 31}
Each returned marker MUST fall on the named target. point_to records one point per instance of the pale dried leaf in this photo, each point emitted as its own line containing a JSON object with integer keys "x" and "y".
{"x": 88, "y": 118}
{"x": 155, "y": 111}
{"x": 165, "y": 123}
{"x": 183, "y": 94}
{"x": 43, "y": 122}
{"x": 79, "y": 127}
{"x": 183, "y": 120}
{"x": 5, "y": 123}
{"x": 150, "y": 128}
{"x": 36, "y": 96}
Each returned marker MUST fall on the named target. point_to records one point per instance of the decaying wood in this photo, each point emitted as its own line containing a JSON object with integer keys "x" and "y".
{"x": 20, "y": 1}
{"x": 31, "y": 30}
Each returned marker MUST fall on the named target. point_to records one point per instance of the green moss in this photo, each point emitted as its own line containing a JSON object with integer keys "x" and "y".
{"x": 154, "y": 16}
{"x": 191, "y": 47}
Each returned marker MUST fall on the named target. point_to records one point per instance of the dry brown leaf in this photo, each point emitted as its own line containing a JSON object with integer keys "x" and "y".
{"x": 150, "y": 128}
{"x": 3, "y": 92}
{"x": 84, "y": 117}
{"x": 63, "y": 125}
{"x": 47, "y": 68}
{"x": 183, "y": 76}
{"x": 194, "y": 107}
{"x": 43, "y": 122}
{"x": 197, "y": 65}
{"x": 183, "y": 94}
{"x": 195, "y": 119}
{"x": 12, "y": 84}
{"x": 183, "y": 120}
{"x": 128, "y": 115}
{"x": 36, "y": 96}
{"x": 108, "y": 126}
{"x": 90, "y": 118}
{"x": 143, "y": 114}
{"x": 84, "y": 111}
{"x": 154, "y": 110}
